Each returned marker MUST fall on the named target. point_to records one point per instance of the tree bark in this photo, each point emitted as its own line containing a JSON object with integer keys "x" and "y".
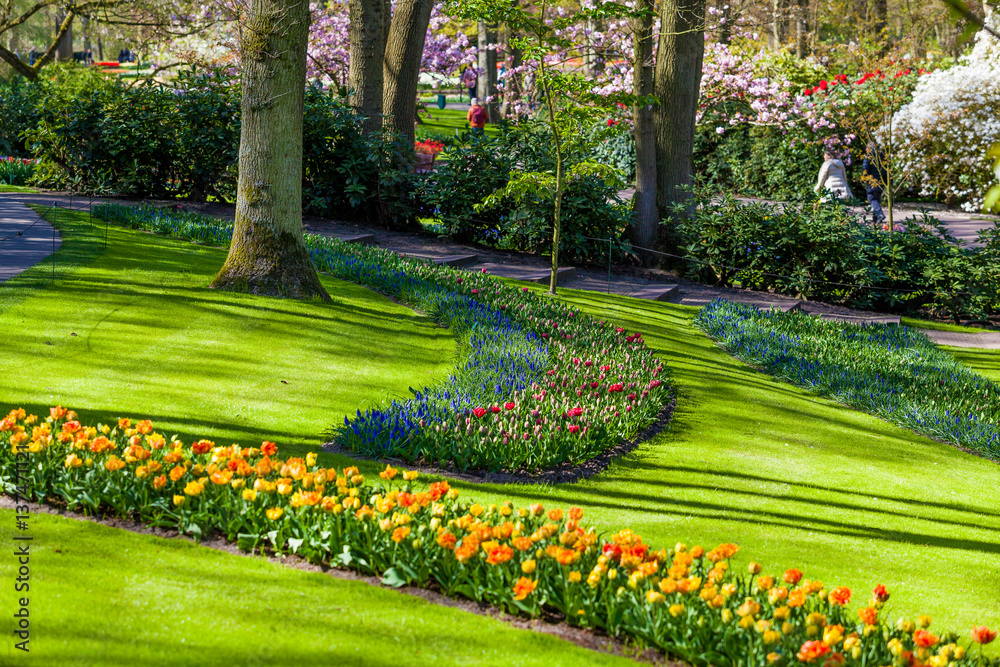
{"x": 725, "y": 30}
{"x": 802, "y": 29}
{"x": 64, "y": 51}
{"x": 268, "y": 255}
{"x": 677, "y": 80}
{"x": 31, "y": 71}
{"x": 403, "y": 52}
{"x": 647, "y": 219}
{"x": 369, "y": 25}
{"x": 486, "y": 86}
{"x": 512, "y": 87}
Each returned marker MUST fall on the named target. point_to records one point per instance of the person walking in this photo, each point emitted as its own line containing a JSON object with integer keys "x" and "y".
{"x": 476, "y": 117}
{"x": 469, "y": 80}
{"x": 874, "y": 177}
{"x": 832, "y": 182}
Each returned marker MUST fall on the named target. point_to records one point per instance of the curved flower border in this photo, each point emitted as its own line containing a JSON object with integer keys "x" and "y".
{"x": 689, "y": 602}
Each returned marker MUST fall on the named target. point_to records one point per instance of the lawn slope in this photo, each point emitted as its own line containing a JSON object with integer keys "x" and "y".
{"x": 134, "y": 330}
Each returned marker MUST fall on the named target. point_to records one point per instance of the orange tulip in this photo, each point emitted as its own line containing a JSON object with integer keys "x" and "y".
{"x": 983, "y": 635}
{"x": 524, "y": 587}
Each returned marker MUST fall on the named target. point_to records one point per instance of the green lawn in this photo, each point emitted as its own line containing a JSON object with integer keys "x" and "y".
{"x": 793, "y": 478}
{"x": 137, "y": 332}
{"x": 446, "y": 121}
{"x": 16, "y": 188}
{"x": 986, "y": 362}
{"x": 940, "y": 326}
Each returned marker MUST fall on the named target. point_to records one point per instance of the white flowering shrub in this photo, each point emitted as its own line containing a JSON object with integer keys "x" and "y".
{"x": 947, "y": 129}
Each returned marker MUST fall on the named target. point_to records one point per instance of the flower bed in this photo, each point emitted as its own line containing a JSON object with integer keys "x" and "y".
{"x": 685, "y": 601}
{"x": 892, "y": 372}
{"x": 540, "y": 384}
{"x": 15, "y": 170}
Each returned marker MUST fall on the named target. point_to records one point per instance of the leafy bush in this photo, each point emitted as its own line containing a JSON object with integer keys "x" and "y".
{"x": 615, "y": 146}
{"x": 892, "y": 372}
{"x": 18, "y": 109}
{"x": 96, "y": 134}
{"x": 822, "y": 252}
{"x": 457, "y": 192}
{"x": 756, "y": 161}
{"x": 687, "y": 602}
{"x": 541, "y": 379}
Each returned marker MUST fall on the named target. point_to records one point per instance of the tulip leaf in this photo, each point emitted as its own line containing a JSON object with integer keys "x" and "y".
{"x": 294, "y": 543}
{"x": 393, "y": 578}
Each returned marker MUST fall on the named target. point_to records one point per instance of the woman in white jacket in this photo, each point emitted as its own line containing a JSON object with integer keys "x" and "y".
{"x": 833, "y": 179}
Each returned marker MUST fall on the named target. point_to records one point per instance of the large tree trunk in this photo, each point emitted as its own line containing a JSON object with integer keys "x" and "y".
{"x": 802, "y": 29}
{"x": 369, "y": 24}
{"x": 403, "y": 52}
{"x": 647, "y": 218}
{"x": 64, "y": 51}
{"x": 486, "y": 86}
{"x": 268, "y": 254}
{"x": 677, "y": 80}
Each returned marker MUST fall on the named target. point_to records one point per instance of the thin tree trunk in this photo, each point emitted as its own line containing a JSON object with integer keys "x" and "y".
{"x": 677, "y": 80}
{"x": 486, "y": 86}
{"x": 403, "y": 52}
{"x": 268, "y": 254}
{"x": 880, "y": 15}
{"x": 726, "y": 30}
{"x": 369, "y": 22}
{"x": 647, "y": 218}
{"x": 802, "y": 28}
{"x": 512, "y": 82}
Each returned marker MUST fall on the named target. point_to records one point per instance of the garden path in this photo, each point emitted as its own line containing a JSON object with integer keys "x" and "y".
{"x": 25, "y": 239}
{"x": 634, "y": 282}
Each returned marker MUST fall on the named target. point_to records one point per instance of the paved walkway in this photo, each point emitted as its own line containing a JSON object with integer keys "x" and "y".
{"x": 25, "y": 239}
{"x": 37, "y": 244}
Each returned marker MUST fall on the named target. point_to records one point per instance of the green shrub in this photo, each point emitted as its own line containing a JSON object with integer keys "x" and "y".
{"x": 95, "y": 134}
{"x": 18, "y": 103}
{"x": 482, "y": 165}
{"x": 756, "y": 161}
{"x": 821, "y": 252}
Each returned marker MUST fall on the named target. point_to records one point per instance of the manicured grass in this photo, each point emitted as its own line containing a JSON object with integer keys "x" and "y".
{"x": 16, "y": 188}
{"x": 103, "y": 596}
{"x": 940, "y": 326}
{"x": 795, "y": 479}
{"x": 135, "y": 330}
{"x": 984, "y": 362}
{"x": 446, "y": 121}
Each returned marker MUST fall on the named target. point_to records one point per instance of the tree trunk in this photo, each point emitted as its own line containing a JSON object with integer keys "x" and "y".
{"x": 726, "y": 29}
{"x": 403, "y": 52}
{"x": 31, "y": 71}
{"x": 65, "y": 49}
{"x": 486, "y": 86}
{"x": 802, "y": 29}
{"x": 512, "y": 88}
{"x": 647, "y": 219}
{"x": 880, "y": 15}
{"x": 268, "y": 255}
{"x": 677, "y": 80}
{"x": 369, "y": 23}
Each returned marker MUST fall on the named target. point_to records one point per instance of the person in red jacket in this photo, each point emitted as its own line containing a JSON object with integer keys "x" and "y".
{"x": 476, "y": 116}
